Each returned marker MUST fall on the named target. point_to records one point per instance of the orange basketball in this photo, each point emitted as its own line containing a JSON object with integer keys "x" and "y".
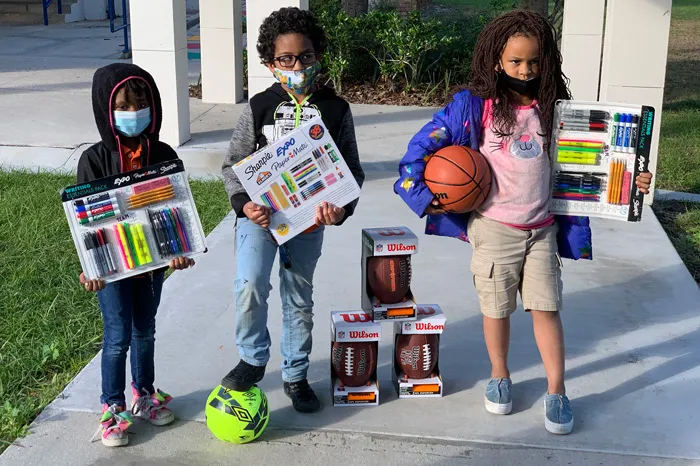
{"x": 459, "y": 177}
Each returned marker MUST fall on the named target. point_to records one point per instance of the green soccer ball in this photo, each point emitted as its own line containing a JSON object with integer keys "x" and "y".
{"x": 237, "y": 417}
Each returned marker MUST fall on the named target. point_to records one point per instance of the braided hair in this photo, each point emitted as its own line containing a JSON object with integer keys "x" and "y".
{"x": 484, "y": 80}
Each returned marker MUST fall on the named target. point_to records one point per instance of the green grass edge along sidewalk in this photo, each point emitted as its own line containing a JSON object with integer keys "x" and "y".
{"x": 50, "y": 327}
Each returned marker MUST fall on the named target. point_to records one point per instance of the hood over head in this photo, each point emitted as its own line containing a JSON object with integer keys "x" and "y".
{"x": 105, "y": 83}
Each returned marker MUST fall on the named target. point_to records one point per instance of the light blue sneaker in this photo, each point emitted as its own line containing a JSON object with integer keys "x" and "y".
{"x": 498, "y": 399}
{"x": 558, "y": 417}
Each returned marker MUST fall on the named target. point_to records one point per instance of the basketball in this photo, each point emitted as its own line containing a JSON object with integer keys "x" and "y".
{"x": 459, "y": 177}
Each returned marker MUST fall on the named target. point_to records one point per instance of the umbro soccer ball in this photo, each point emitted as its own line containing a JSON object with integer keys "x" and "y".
{"x": 237, "y": 417}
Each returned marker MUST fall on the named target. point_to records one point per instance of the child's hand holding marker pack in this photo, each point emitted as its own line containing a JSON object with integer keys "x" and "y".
{"x": 598, "y": 150}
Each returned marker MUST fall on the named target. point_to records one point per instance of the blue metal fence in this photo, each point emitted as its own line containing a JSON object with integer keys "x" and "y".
{"x": 45, "y": 4}
{"x": 124, "y": 26}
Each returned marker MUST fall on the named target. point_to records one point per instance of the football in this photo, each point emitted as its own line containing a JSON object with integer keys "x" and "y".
{"x": 417, "y": 355}
{"x": 354, "y": 363}
{"x": 389, "y": 277}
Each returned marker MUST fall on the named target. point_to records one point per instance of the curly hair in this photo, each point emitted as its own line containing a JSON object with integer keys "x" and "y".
{"x": 484, "y": 80}
{"x": 289, "y": 21}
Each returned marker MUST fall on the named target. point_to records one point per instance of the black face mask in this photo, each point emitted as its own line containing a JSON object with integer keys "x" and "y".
{"x": 529, "y": 87}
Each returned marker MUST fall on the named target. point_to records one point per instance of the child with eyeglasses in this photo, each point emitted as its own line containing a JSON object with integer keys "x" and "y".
{"x": 290, "y": 44}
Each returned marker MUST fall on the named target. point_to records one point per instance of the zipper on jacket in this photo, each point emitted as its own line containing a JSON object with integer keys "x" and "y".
{"x": 297, "y": 112}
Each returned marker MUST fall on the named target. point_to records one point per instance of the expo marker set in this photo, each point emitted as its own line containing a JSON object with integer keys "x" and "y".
{"x": 598, "y": 150}
{"x": 134, "y": 222}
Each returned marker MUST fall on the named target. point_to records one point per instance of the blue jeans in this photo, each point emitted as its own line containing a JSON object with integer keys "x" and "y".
{"x": 255, "y": 254}
{"x": 129, "y": 309}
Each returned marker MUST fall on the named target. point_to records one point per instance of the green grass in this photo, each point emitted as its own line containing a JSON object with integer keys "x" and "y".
{"x": 50, "y": 327}
{"x": 681, "y": 220}
{"x": 685, "y": 9}
{"x": 679, "y": 146}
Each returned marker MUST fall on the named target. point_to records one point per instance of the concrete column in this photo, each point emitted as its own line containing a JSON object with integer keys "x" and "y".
{"x": 221, "y": 40}
{"x": 634, "y": 58}
{"x": 581, "y": 46}
{"x": 159, "y": 41}
{"x": 259, "y": 77}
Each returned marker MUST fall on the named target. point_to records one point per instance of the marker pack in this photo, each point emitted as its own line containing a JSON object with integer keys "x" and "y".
{"x": 134, "y": 222}
{"x": 598, "y": 150}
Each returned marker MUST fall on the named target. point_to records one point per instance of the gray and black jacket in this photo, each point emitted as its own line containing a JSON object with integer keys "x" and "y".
{"x": 273, "y": 113}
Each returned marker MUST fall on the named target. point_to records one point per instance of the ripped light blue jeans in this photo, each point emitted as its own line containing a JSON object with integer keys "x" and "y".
{"x": 255, "y": 255}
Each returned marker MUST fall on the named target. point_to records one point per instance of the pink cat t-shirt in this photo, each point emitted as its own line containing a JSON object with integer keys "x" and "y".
{"x": 521, "y": 171}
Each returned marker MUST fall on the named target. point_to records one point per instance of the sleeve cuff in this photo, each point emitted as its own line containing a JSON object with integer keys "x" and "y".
{"x": 238, "y": 201}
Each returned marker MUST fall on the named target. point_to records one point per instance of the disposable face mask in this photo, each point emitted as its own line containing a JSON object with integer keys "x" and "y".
{"x": 522, "y": 86}
{"x": 299, "y": 82}
{"x": 132, "y": 124}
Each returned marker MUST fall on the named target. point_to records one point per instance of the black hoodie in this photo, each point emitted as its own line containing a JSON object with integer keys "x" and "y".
{"x": 105, "y": 158}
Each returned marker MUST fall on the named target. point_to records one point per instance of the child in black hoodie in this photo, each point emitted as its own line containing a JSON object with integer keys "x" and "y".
{"x": 128, "y": 113}
{"x": 290, "y": 44}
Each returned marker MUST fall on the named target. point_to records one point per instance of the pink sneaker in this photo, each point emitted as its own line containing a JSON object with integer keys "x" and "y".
{"x": 114, "y": 423}
{"x": 152, "y": 407}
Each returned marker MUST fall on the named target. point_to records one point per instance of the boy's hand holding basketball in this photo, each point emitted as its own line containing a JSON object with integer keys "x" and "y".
{"x": 328, "y": 214}
{"x": 258, "y": 214}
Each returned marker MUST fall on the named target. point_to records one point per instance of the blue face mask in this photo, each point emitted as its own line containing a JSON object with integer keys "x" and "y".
{"x": 132, "y": 124}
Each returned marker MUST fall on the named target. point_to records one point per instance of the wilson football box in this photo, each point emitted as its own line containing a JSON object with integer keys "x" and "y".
{"x": 418, "y": 354}
{"x": 389, "y": 276}
{"x": 354, "y": 345}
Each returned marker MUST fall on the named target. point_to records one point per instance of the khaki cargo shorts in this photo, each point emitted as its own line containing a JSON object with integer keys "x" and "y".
{"x": 507, "y": 260}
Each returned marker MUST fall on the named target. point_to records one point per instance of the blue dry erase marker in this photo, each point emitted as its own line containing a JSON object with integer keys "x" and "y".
{"x": 620, "y": 133}
{"x": 628, "y": 131}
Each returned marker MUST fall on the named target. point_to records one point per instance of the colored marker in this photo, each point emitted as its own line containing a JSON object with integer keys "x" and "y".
{"x": 581, "y": 143}
{"x": 599, "y": 114}
{"x": 615, "y": 126}
{"x": 80, "y": 206}
{"x": 628, "y": 131}
{"x": 634, "y": 129}
{"x": 125, "y": 245}
{"x": 593, "y": 150}
{"x": 102, "y": 216}
{"x": 620, "y": 133}
{"x": 583, "y": 128}
{"x": 95, "y": 198}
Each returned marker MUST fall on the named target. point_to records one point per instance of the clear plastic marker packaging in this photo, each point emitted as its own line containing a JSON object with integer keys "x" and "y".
{"x": 598, "y": 150}
{"x": 134, "y": 222}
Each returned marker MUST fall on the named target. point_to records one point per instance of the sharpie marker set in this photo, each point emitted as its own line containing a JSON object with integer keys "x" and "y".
{"x": 134, "y": 222}
{"x": 598, "y": 150}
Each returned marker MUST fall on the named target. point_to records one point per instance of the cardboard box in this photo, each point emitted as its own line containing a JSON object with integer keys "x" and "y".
{"x": 390, "y": 241}
{"x": 430, "y": 320}
{"x": 354, "y": 326}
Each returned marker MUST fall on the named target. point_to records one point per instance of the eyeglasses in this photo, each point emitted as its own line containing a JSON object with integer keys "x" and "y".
{"x": 289, "y": 61}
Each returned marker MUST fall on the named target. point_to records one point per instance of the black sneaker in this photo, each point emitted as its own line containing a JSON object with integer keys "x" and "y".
{"x": 243, "y": 377}
{"x": 303, "y": 397}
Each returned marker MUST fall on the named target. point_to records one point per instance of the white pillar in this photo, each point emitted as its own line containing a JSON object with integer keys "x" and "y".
{"x": 634, "y": 58}
{"x": 259, "y": 77}
{"x": 221, "y": 40}
{"x": 581, "y": 44}
{"x": 159, "y": 42}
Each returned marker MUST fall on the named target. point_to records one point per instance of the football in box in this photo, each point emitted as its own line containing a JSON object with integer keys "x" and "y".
{"x": 430, "y": 320}
{"x": 384, "y": 242}
{"x": 354, "y": 344}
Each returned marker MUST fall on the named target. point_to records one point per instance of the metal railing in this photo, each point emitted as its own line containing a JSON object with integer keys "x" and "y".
{"x": 126, "y": 53}
{"x": 45, "y": 4}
